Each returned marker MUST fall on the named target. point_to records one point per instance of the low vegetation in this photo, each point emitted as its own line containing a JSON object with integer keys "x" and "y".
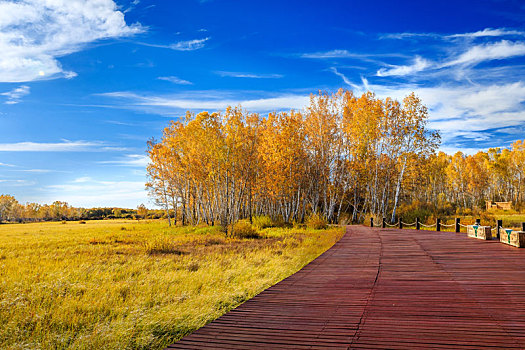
{"x": 119, "y": 284}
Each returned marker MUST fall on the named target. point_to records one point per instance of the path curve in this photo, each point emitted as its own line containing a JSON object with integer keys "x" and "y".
{"x": 385, "y": 288}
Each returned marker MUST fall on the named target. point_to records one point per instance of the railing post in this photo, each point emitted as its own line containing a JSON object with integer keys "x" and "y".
{"x": 499, "y": 224}
{"x": 438, "y": 224}
{"x": 383, "y": 224}
{"x": 478, "y": 222}
{"x": 457, "y": 225}
{"x": 523, "y": 226}
{"x": 417, "y": 223}
{"x": 400, "y": 223}
{"x": 371, "y": 222}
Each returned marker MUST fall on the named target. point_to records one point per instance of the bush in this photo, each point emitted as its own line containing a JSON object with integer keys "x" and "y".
{"x": 377, "y": 220}
{"x": 164, "y": 245}
{"x": 262, "y": 222}
{"x": 243, "y": 229}
{"x": 416, "y": 209}
{"x": 317, "y": 222}
{"x": 487, "y": 219}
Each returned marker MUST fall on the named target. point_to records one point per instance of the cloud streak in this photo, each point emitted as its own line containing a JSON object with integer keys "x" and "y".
{"x": 418, "y": 65}
{"x": 185, "y": 45}
{"x": 170, "y": 104}
{"x": 487, "y": 52}
{"x": 14, "y": 96}
{"x": 175, "y": 80}
{"x": 131, "y": 160}
{"x": 248, "y": 75}
{"x": 64, "y": 146}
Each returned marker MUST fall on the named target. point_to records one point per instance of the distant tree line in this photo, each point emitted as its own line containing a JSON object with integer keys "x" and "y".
{"x": 467, "y": 181}
{"x": 13, "y": 211}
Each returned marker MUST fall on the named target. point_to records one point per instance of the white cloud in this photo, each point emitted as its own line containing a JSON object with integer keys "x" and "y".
{"x": 487, "y": 32}
{"x": 186, "y": 45}
{"x": 64, "y": 146}
{"x": 175, "y": 80}
{"x": 418, "y": 65}
{"x": 176, "y": 103}
{"x": 189, "y": 45}
{"x": 345, "y": 79}
{"x": 34, "y": 33}
{"x": 332, "y": 54}
{"x": 486, "y": 52}
{"x": 14, "y": 96}
{"x": 133, "y": 160}
{"x": 401, "y": 36}
{"x": 6, "y": 165}
{"x": 474, "y": 55}
{"x": 17, "y": 182}
{"x": 248, "y": 75}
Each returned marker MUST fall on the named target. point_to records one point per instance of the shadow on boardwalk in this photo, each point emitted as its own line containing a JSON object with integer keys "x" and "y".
{"x": 383, "y": 288}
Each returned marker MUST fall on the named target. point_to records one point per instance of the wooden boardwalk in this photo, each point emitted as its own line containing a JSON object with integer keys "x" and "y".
{"x": 386, "y": 289}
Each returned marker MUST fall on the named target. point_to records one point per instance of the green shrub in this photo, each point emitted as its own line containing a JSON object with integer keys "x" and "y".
{"x": 262, "y": 222}
{"x": 317, "y": 222}
{"x": 243, "y": 229}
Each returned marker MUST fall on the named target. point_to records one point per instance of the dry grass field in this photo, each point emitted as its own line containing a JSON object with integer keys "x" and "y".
{"x": 134, "y": 285}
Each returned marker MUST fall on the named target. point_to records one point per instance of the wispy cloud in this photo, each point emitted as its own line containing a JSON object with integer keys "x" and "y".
{"x": 14, "y": 96}
{"x": 487, "y": 32}
{"x": 17, "y": 182}
{"x": 418, "y": 65}
{"x": 40, "y": 171}
{"x": 248, "y": 75}
{"x": 473, "y": 55}
{"x": 491, "y": 51}
{"x": 345, "y": 79}
{"x": 132, "y": 160}
{"x": 175, "y": 80}
{"x": 189, "y": 45}
{"x": 7, "y": 165}
{"x": 332, "y": 54}
{"x": 34, "y": 33}
{"x": 64, "y": 146}
{"x": 206, "y": 100}
{"x": 401, "y": 36}
{"x": 346, "y": 54}
{"x": 185, "y": 45}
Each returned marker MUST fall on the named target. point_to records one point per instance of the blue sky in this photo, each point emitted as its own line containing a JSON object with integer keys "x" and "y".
{"x": 84, "y": 84}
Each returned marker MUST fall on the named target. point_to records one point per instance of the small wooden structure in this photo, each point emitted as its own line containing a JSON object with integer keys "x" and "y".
{"x": 514, "y": 238}
{"x": 479, "y": 232}
{"x": 498, "y": 205}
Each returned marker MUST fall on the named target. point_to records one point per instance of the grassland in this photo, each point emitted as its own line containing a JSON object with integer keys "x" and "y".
{"x": 134, "y": 285}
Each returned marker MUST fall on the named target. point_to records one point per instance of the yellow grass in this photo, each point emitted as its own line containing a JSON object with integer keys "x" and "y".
{"x": 134, "y": 285}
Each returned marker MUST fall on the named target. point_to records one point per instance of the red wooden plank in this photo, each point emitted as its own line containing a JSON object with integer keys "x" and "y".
{"x": 383, "y": 288}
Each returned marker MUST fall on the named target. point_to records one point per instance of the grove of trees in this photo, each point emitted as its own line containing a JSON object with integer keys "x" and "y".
{"x": 344, "y": 154}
